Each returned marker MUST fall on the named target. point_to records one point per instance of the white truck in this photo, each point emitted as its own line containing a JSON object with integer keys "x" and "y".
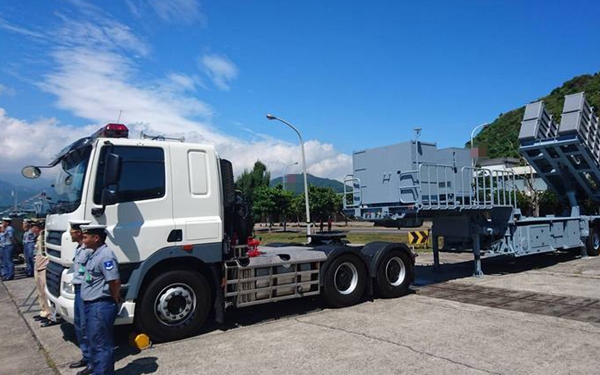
{"x": 179, "y": 231}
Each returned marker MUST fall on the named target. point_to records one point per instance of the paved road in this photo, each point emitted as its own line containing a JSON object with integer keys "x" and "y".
{"x": 536, "y": 315}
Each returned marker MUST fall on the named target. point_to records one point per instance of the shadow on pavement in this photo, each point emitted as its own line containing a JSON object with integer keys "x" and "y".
{"x": 146, "y": 365}
{"x": 496, "y": 266}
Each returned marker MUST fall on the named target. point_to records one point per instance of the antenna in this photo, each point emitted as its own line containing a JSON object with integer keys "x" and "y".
{"x": 119, "y": 118}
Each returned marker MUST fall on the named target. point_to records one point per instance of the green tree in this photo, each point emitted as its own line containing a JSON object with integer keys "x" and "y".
{"x": 323, "y": 202}
{"x": 297, "y": 207}
{"x": 249, "y": 181}
{"x": 264, "y": 203}
{"x": 283, "y": 203}
{"x": 272, "y": 201}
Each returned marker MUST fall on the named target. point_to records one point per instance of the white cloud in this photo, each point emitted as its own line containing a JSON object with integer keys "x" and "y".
{"x": 102, "y": 34}
{"x": 6, "y": 91}
{"x": 178, "y": 11}
{"x": 24, "y": 143}
{"x": 21, "y": 30}
{"x": 220, "y": 70}
{"x": 95, "y": 77}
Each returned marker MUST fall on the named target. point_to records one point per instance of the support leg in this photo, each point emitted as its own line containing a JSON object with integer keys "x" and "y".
{"x": 477, "y": 255}
{"x": 584, "y": 252}
{"x": 436, "y": 254}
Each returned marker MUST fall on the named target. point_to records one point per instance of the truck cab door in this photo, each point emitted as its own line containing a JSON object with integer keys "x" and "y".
{"x": 139, "y": 214}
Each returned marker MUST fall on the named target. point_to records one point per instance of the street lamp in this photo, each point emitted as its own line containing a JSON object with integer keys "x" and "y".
{"x": 484, "y": 125}
{"x": 284, "y": 175}
{"x": 271, "y": 117}
{"x": 417, "y": 134}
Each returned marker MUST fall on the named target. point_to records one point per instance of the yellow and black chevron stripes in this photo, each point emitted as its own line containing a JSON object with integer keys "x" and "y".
{"x": 418, "y": 237}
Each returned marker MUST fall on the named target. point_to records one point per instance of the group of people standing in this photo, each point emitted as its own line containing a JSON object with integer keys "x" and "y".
{"x": 96, "y": 283}
{"x": 8, "y": 244}
{"x": 97, "y": 298}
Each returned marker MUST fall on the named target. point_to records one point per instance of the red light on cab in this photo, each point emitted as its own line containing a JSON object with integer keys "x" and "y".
{"x": 112, "y": 131}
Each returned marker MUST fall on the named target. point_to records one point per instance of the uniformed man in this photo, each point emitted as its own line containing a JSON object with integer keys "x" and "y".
{"x": 78, "y": 269}
{"x": 100, "y": 292}
{"x": 39, "y": 271}
{"x": 9, "y": 242}
{"x": 29, "y": 239}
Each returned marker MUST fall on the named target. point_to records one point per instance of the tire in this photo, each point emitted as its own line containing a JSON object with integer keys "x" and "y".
{"x": 593, "y": 242}
{"x": 174, "y": 305}
{"x": 344, "y": 281}
{"x": 393, "y": 275}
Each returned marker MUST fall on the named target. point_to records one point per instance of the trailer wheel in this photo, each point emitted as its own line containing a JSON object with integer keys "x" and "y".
{"x": 593, "y": 242}
{"x": 344, "y": 281}
{"x": 393, "y": 275}
{"x": 174, "y": 305}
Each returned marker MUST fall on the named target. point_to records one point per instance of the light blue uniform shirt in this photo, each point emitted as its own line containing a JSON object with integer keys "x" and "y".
{"x": 8, "y": 236}
{"x": 101, "y": 267}
{"x": 81, "y": 257}
{"x": 29, "y": 237}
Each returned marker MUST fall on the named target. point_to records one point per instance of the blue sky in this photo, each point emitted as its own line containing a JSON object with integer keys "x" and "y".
{"x": 349, "y": 74}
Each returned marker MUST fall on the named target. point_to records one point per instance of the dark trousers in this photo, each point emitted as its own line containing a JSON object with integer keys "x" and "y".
{"x": 8, "y": 266}
{"x": 79, "y": 322}
{"x": 29, "y": 250}
{"x": 100, "y": 316}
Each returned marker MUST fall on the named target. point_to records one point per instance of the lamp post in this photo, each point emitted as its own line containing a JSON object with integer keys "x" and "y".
{"x": 271, "y": 117}
{"x": 417, "y": 134}
{"x": 484, "y": 125}
{"x": 284, "y": 175}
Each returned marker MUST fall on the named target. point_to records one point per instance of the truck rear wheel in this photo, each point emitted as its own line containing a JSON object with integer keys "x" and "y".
{"x": 593, "y": 242}
{"x": 393, "y": 275}
{"x": 175, "y": 305}
{"x": 344, "y": 281}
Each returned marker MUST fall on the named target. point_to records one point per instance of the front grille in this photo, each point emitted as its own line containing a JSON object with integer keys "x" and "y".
{"x": 54, "y": 253}
{"x": 54, "y": 237}
{"x": 53, "y": 273}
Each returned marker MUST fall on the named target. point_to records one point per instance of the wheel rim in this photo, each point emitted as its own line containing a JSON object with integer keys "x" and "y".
{"x": 175, "y": 304}
{"x": 595, "y": 240}
{"x": 346, "y": 278}
{"x": 395, "y": 271}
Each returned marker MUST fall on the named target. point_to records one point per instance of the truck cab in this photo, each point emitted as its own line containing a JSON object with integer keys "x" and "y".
{"x": 179, "y": 232}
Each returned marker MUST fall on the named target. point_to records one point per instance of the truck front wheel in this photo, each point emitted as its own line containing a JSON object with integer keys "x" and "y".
{"x": 174, "y": 305}
{"x": 393, "y": 275}
{"x": 344, "y": 281}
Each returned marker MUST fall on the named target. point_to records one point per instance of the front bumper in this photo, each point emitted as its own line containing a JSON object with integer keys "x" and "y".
{"x": 64, "y": 303}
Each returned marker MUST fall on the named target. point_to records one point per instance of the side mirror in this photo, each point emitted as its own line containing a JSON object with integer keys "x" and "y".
{"x": 109, "y": 197}
{"x": 112, "y": 174}
{"x": 31, "y": 172}
{"x": 112, "y": 169}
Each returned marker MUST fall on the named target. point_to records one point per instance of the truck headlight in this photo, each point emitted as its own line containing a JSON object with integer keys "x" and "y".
{"x": 68, "y": 287}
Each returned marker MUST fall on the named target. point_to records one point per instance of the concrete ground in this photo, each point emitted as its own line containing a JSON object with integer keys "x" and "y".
{"x": 535, "y": 315}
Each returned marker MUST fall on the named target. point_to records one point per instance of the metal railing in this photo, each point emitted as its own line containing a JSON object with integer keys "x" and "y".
{"x": 355, "y": 194}
{"x": 439, "y": 187}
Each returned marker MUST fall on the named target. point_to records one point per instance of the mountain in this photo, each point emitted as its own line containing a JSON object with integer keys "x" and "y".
{"x": 501, "y": 137}
{"x": 17, "y": 186}
{"x": 295, "y": 182}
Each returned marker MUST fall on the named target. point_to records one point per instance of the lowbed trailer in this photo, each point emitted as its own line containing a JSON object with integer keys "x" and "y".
{"x": 477, "y": 207}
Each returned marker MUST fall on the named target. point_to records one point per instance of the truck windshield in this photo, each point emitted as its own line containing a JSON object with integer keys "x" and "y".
{"x": 69, "y": 180}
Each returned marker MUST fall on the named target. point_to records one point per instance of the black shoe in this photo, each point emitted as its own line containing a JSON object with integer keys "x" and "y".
{"x": 81, "y": 363}
{"x": 85, "y": 371}
{"x": 37, "y": 318}
{"x": 49, "y": 323}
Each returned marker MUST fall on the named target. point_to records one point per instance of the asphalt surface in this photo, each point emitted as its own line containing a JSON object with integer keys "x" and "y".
{"x": 535, "y": 315}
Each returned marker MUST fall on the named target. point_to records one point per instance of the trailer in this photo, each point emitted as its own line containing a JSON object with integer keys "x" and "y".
{"x": 476, "y": 208}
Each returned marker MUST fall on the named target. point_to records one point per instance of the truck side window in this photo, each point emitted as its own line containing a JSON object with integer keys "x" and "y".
{"x": 143, "y": 174}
